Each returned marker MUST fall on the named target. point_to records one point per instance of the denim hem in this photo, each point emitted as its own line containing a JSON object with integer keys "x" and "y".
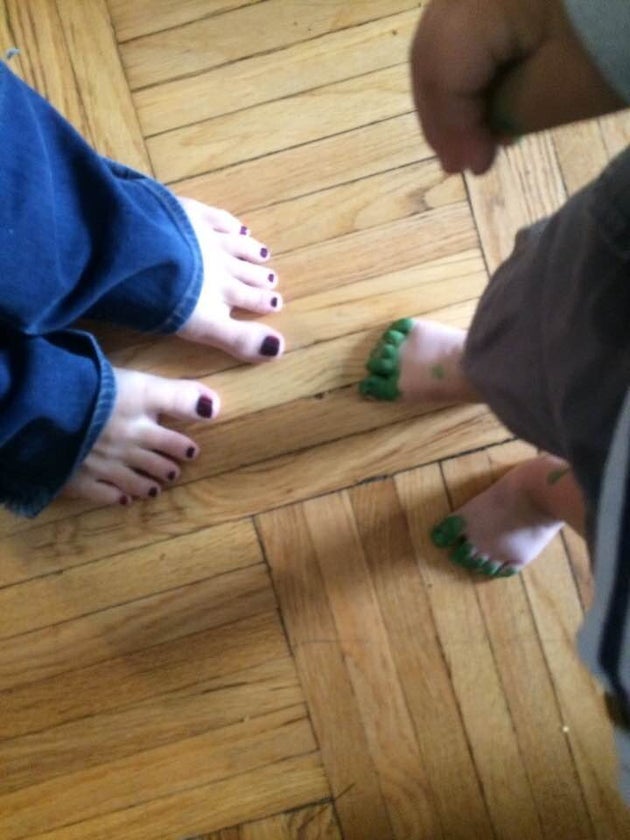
{"x": 190, "y": 296}
{"x": 28, "y": 500}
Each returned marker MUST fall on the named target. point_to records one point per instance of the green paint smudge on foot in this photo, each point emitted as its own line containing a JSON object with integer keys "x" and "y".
{"x": 555, "y": 475}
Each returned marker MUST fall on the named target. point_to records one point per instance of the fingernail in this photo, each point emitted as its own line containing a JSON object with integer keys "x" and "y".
{"x": 171, "y": 476}
{"x": 123, "y": 500}
{"x": 274, "y": 303}
{"x": 153, "y": 492}
{"x": 271, "y": 277}
{"x": 264, "y": 253}
{"x": 244, "y": 230}
{"x": 270, "y": 346}
{"x": 204, "y": 407}
{"x": 190, "y": 452}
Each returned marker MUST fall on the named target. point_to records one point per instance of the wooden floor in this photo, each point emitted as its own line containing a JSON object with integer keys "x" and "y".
{"x": 273, "y": 650}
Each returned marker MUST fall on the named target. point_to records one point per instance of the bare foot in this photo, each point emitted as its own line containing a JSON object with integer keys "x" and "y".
{"x": 418, "y": 360}
{"x": 503, "y": 529}
{"x": 235, "y": 276}
{"x": 135, "y": 455}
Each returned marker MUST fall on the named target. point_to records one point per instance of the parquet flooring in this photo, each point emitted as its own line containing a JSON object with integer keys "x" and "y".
{"x": 273, "y": 650}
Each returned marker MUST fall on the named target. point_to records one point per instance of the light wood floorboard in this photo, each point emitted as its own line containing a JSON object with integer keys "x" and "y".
{"x": 273, "y": 649}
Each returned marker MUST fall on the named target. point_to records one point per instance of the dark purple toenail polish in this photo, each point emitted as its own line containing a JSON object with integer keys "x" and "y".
{"x": 270, "y": 346}
{"x": 123, "y": 500}
{"x": 172, "y": 475}
{"x": 244, "y": 230}
{"x": 274, "y": 302}
{"x": 204, "y": 407}
{"x": 271, "y": 277}
{"x": 153, "y": 492}
{"x": 190, "y": 452}
{"x": 264, "y": 253}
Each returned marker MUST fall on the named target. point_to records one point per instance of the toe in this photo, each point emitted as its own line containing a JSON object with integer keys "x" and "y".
{"x": 247, "y": 248}
{"x": 154, "y": 465}
{"x": 380, "y": 388}
{"x": 219, "y": 220}
{"x": 252, "y": 274}
{"x": 172, "y": 445}
{"x": 181, "y": 399}
{"x": 249, "y": 341}
{"x": 261, "y": 301}
{"x": 128, "y": 481}
{"x": 83, "y": 486}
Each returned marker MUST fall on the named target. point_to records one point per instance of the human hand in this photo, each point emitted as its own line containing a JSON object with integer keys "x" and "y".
{"x": 485, "y": 71}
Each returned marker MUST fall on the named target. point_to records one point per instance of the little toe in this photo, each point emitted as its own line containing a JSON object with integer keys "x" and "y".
{"x": 218, "y": 219}
{"x": 84, "y": 486}
{"x": 130, "y": 482}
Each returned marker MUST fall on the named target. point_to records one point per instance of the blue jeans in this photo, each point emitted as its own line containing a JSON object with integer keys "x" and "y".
{"x": 80, "y": 236}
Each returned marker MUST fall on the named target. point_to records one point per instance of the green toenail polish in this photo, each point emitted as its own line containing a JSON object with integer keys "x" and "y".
{"x": 379, "y": 388}
{"x": 555, "y": 475}
{"x": 465, "y": 555}
{"x": 403, "y": 325}
{"x": 489, "y": 568}
{"x": 394, "y": 337}
{"x": 384, "y": 367}
{"x": 437, "y": 372}
{"x": 507, "y": 571}
{"x": 447, "y": 532}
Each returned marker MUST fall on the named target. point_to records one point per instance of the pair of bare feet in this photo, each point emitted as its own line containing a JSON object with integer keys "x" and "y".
{"x": 500, "y": 531}
{"x": 135, "y": 455}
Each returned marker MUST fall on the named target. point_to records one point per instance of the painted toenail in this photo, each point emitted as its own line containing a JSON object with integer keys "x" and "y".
{"x": 123, "y": 500}
{"x": 244, "y": 230}
{"x": 274, "y": 302}
{"x": 204, "y": 407}
{"x": 264, "y": 253}
{"x": 190, "y": 452}
{"x": 270, "y": 346}
{"x": 153, "y": 492}
{"x": 271, "y": 277}
{"x": 448, "y": 531}
{"x": 172, "y": 475}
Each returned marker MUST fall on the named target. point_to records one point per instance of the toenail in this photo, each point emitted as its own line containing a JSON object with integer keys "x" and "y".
{"x": 274, "y": 302}
{"x": 204, "y": 407}
{"x": 123, "y": 500}
{"x": 244, "y": 230}
{"x": 270, "y": 346}
{"x": 264, "y": 253}
{"x": 271, "y": 277}
{"x": 172, "y": 475}
{"x": 190, "y": 452}
{"x": 153, "y": 492}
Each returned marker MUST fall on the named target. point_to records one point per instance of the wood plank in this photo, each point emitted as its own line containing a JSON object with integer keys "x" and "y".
{"x": 264, "y": 486}
{"x": 616, "y": 132}
{"x": 45, "y": 59}
{"x": 323, "y": 673}
{"x": 145, "y": 16}
{"x": 122, "y": 579}
{"x": 272, "y": 126}
{"x": 101, "y": 82}
{"x": 151, "y": 672}
{"x": 156, "y": 773}
{"x": 209, "y": 704}
{"x": 406, "y": 611}
{"x": 276, "y": 787}
{"x": 524, "y": 185}
{"x": 581, "y": 153}
{"x": 317, "y": 822}
{"x": 221, "y": 39}
{"x": 276, "y": 75}
{"x": 520, "y": 661}
{"x": 320, "y": 164}
{"x": 476, "y": 681}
